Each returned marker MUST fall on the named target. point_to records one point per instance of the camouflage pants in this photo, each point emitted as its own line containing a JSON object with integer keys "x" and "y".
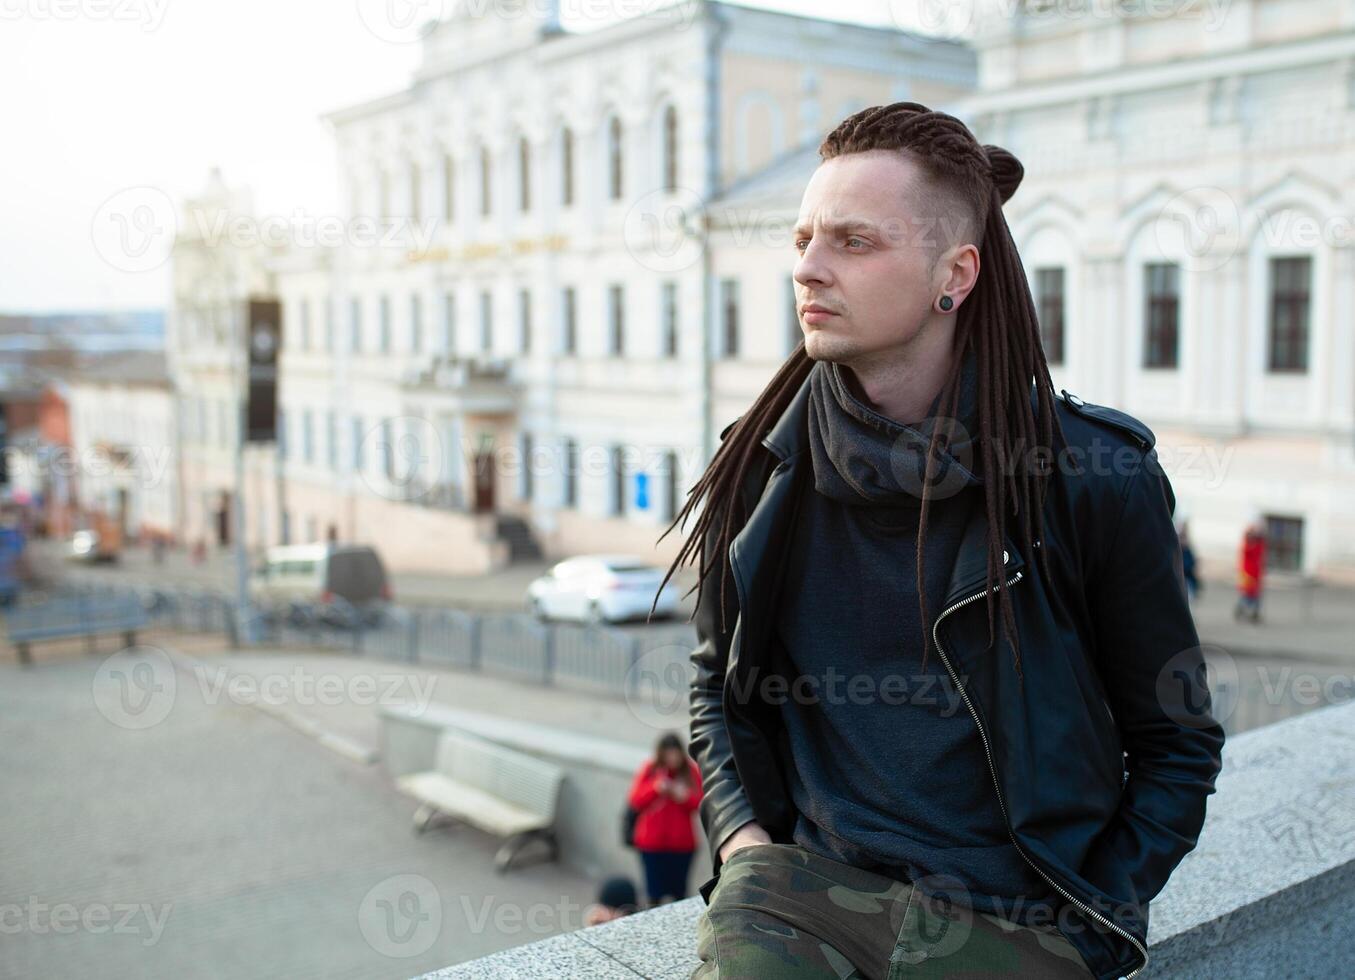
{"x": 781, "y": 911}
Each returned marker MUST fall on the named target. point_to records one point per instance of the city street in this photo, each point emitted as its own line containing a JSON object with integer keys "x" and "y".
{"x": 163, "y": 825}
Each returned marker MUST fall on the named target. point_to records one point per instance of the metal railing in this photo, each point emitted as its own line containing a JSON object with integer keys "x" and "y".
{"x": 516, "y": 646}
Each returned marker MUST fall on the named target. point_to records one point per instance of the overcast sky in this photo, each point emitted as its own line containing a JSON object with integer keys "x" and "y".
{"x": 104, "y": 95}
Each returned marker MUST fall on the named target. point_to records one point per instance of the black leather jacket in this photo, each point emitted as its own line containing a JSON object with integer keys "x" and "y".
{"x": 1102, "y": 764}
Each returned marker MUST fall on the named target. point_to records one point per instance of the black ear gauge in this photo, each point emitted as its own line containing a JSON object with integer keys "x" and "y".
{"x": 946, "y": 304}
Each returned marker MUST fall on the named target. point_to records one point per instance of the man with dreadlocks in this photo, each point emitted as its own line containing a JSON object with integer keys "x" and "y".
{"x": 893, "y": 787}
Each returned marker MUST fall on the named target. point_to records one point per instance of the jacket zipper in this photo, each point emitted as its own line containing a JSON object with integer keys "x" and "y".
{"x": 988, "y": 752}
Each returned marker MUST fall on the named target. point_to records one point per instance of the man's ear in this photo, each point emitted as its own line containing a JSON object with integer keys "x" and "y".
{"x": 961, "y": 270}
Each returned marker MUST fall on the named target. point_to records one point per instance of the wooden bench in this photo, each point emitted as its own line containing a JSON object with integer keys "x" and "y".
{"x": 488, "y": 786}
{"x": 82, "y": 616}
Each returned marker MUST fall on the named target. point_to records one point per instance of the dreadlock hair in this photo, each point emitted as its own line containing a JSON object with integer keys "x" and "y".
{"x": 997, "y": 321}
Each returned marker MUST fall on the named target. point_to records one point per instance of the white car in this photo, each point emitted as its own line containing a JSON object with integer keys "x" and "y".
{"x": 601, "y": 589}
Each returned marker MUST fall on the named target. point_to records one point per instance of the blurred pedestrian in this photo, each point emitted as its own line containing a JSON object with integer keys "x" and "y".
{"x": 1189, "y": 563}
{"x": 616, "y": 898}
{"x": 666, "y": 792}
{"x": 1250, "y": 573}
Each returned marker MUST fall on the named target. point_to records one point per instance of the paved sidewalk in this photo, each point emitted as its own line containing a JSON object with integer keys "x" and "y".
{"x": 145, "y": 831}
{"x": 336, "y": 698}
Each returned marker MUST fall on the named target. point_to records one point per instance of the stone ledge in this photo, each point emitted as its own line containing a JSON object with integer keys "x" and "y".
{"x": 1266, "y": 893}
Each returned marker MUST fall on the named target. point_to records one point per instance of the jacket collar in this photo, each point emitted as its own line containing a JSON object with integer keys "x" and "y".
{"x": 789, "y": 438}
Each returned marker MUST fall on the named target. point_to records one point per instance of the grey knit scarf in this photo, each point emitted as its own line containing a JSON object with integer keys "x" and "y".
{"x": 862, "y": 458}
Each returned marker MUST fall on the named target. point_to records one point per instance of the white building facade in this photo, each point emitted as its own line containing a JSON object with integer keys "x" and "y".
{"x": 1186, "y": 223}
{"x": 542, "y": 288}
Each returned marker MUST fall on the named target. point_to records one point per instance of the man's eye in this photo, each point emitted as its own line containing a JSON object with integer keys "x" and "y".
{"x": 855, "y": 239}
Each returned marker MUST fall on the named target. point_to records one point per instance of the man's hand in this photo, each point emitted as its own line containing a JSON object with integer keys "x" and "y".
{"x": 749, "y": 833}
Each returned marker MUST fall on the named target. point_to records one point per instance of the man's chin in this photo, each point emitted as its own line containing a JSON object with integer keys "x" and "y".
{"x": 821, "y": 347}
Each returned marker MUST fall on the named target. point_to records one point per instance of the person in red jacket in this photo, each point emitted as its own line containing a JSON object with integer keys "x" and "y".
{"x": 1251, "y": 572}
{"x": 666, "y": 792}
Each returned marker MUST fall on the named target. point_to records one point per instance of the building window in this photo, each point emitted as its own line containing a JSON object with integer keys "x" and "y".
{"x": 525, "y": 487}
{"x": 307, "y": 437}
{"x": 794, "y": 333}
{"x": 329, "y": 325}
{"x": 618, "y": 482}
{"x": 355, "y": 324}
{"x": 484, "y": 180}
{"x": 283, "y": 419}
{"x": 388, "y": 449}
{"x": 356, "y": 429}
{"x": 1290, "y": 298}
{"x": 415, "y": 193}
{"x": 1284, "y": 543}
{"x": 614, "y": 182}
{"x": 668, "y": 318}
{"x": 570, "y": 495}
{"x": 448, "y": 187}
{"x": 524, "y": 174}
{"x": 616, "y": 303}
{"x": 1049, "y": 308}
{"x": 1162, "y": 305}
{"x": 525, "y": 320}
{"x": 384, "y": 196}
{"x": 305, "y": 324}
{"x": 416, "y": 323}
{"x": 332, "y": 440}
{"x": 569, "y": 321}
{"x": 671, "y": 485}
{"x": 566, "y": 167}
{"x": 670, "y": 148}
{"x": 449, "y": 322}
{"x": 486, "y": 321}
{"x": 385, "y": 324}
{"x": 729, "y": 316}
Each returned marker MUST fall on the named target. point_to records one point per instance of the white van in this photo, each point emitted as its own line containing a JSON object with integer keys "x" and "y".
{"x": 339, "y": 584}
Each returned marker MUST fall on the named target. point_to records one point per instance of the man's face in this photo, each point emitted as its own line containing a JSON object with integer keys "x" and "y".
{"x": 867, "y": 253}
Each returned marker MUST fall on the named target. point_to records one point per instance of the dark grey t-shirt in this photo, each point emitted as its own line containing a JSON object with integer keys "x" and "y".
{"x": 883, "y": 760}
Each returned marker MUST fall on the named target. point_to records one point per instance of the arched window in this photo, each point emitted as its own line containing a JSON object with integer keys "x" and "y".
{"x": 670, "y": 148}
{"x": 524, "y": 174}
{"x": 448, "y": 187}
{"x": 415, "y": 192}
{"x": 484, "y": 180}
{"x": 614, "y": 157}
{"x": 566, "y": 166}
